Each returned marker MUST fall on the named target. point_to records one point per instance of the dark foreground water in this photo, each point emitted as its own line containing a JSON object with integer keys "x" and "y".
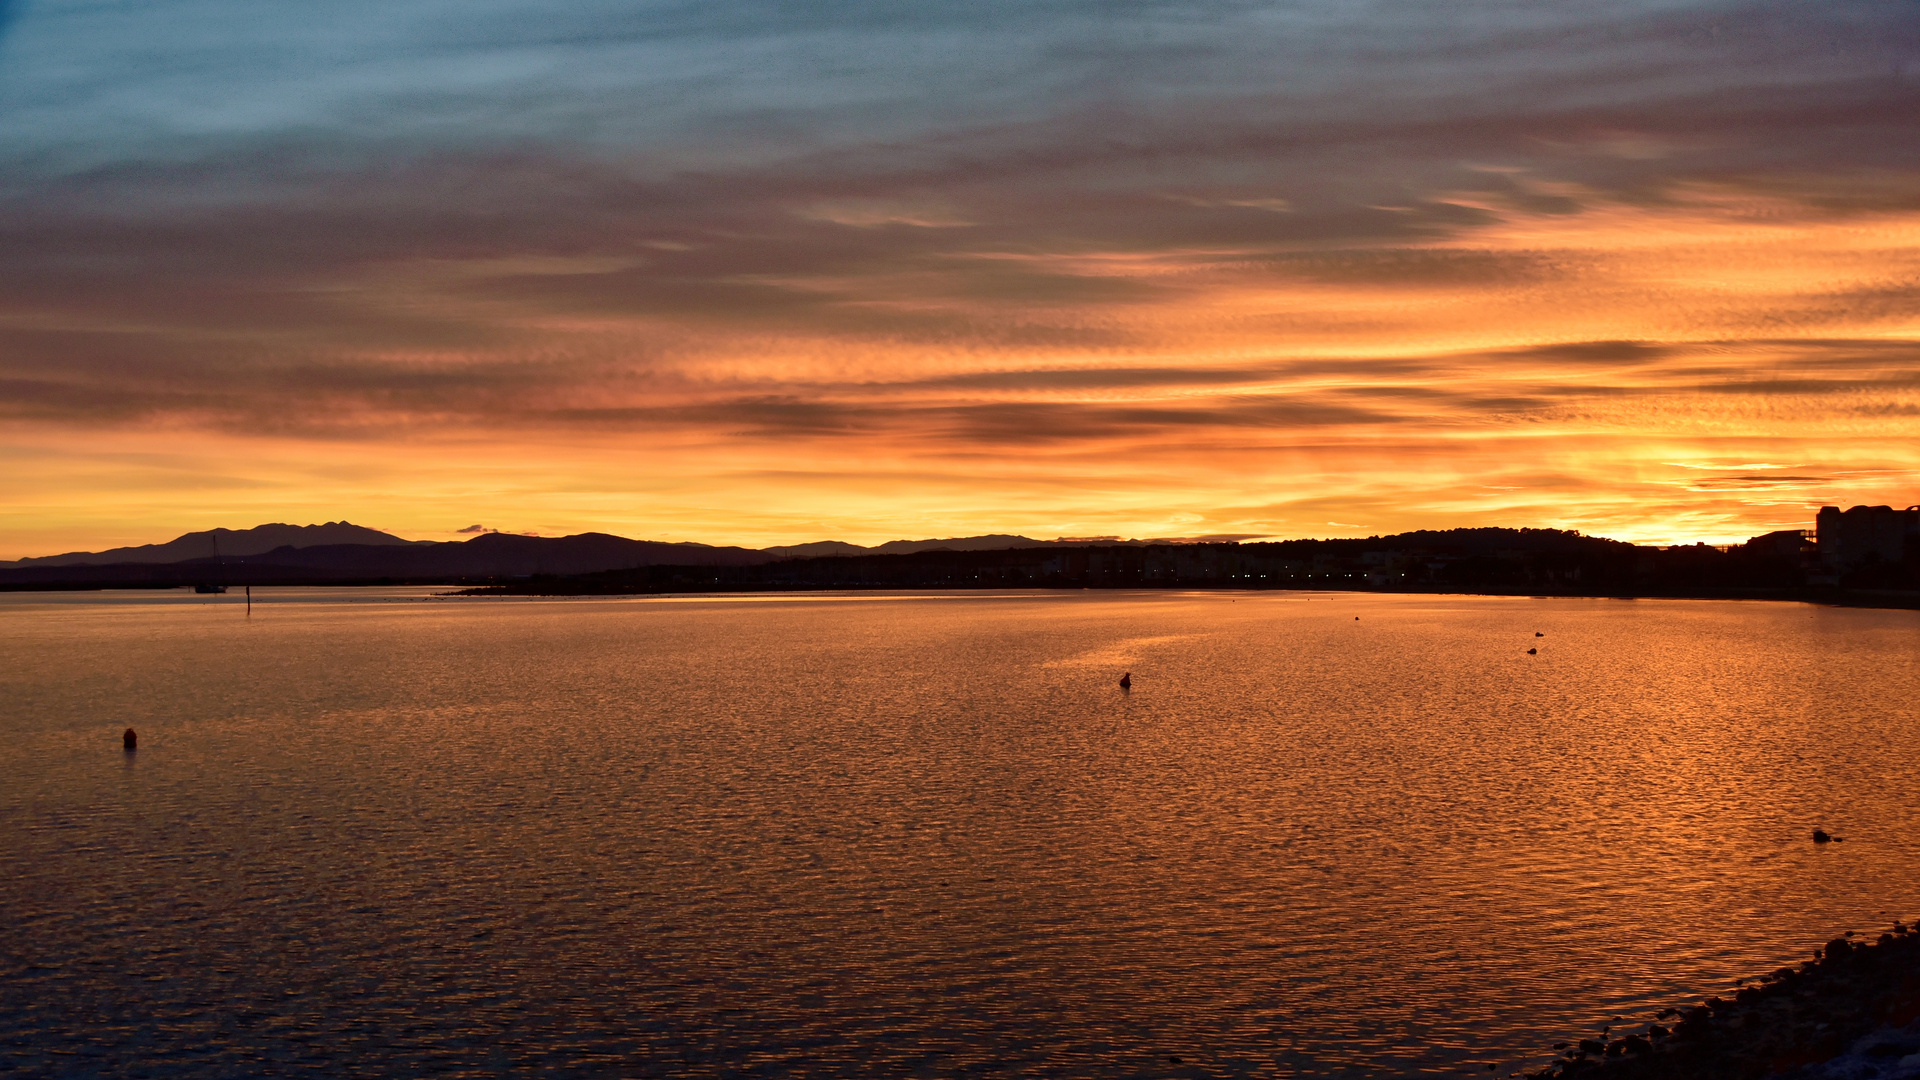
{"x": 374, "y": 834}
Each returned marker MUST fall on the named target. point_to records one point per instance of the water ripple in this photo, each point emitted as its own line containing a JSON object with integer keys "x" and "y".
{"x": 860, "y": 836}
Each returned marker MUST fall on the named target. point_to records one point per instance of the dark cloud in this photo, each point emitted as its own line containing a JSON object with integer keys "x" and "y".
{"x": 247, "y": 383}
{"x": 1096, "y": 378}
{"x": 1769, "y": 480}
{"x": 253, "y": 231}
{"x": 1606, "y": 353}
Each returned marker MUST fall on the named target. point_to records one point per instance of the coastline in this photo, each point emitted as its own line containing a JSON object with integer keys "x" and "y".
{"x": 1491, "y": 561}
{"x": 1852, "y": 1012}
{"x": 1884, "y": 599}
{"x": 1890, "y": 599}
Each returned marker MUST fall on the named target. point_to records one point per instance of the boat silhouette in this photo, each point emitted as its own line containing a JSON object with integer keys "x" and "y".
{"x": 209, "y": 586}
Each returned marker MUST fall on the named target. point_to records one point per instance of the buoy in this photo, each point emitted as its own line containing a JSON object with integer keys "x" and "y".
{"x": 1533, "y": 652}
{"x": 1126, "y": 681}
{"x": 130, "y": 740}
{"x": 1537, "y": 633}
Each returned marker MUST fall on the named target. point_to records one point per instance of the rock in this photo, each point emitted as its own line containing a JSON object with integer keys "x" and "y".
{"x": 1592, "y": 1046}
{"x": 1820, "y": 836}
{"x": 1533, "y": 652}
{"x": 1838, "y": 948}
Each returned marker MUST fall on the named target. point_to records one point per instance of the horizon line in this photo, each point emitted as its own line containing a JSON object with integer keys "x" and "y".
{"x": 474, "y": 533}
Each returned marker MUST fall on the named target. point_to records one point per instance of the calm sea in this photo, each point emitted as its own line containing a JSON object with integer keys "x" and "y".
{"x": 380, "y": 833}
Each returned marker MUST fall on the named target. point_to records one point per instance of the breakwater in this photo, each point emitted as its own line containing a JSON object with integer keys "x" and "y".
{"x": 1782, "y": 1023}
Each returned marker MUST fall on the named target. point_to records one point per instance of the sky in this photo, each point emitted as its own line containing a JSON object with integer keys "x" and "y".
{"x": 770, "y": 271}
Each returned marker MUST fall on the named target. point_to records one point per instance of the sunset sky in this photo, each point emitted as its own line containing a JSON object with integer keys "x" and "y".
{"x": 759, "y": 272}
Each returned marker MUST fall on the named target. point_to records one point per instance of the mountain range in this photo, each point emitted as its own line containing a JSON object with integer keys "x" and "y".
{"x": 342, "y": 551}
{"x": 215, "y": 543}
{"x": 1499, "y": 560}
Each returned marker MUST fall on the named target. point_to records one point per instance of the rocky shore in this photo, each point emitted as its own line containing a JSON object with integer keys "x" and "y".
{"x": 1851, "y": 1013}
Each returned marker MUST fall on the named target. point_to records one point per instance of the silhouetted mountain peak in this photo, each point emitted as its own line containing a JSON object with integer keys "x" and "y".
{"x": 227, "y": 543}
{"x": 989, "y": 542}
{"x": 817, "y": 549}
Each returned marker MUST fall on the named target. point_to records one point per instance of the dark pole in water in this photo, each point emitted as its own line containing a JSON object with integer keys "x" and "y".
{"x": 249, "y": 601}
{"x": 130, "y": 741}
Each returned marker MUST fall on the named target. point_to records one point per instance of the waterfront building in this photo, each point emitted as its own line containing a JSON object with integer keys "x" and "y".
{"x": 1866, "y": 534}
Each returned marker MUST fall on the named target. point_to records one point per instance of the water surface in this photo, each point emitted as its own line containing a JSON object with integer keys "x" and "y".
{"x": 376, "y": 832}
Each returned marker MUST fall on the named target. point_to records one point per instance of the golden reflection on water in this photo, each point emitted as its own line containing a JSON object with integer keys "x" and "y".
{"x": 387, "y": 832}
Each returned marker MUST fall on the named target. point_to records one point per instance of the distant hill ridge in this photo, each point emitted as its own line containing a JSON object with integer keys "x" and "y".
{"x": 342, "y": 551}
{"x": 267, "y": 539}
{"x": 339, "y": 551}
{"x": 989, "y": 542}
{"x": 1550, "y": 561}
{"x": 227, "y": 543}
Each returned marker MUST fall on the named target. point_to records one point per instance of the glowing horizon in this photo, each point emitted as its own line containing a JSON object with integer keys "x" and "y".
{"x": 751, "y": 275}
